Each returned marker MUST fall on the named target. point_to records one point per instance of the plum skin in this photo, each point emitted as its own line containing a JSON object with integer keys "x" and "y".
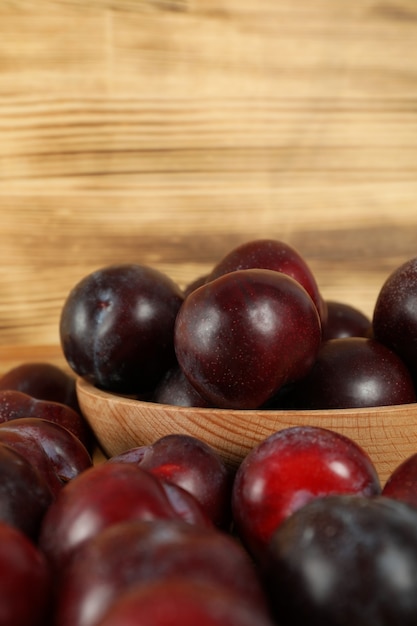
{"x": 289, "y": 468}
{"x": 142, "y": 552}
{"x": 272, "y": 254}
{"x": 116, "y": 327}
{"x": 394, "y": 320}
{"x": 242, "y": 336}
{"x": 345, "y": 560}
{"x": 354, "y": 372}
{"x": 344, "y": 320}
{"x": 178, "y": 601}
{"x": 191, "y": 464}
{"x": 25, "y": 589}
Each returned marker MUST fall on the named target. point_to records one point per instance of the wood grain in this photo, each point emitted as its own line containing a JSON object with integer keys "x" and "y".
{"x": 167, "y": 131}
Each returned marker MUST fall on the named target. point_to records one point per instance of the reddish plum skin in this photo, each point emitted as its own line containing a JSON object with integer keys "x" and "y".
{"x": 241, "y": 337}
{"x": 25, "y": 581}
{"x": 402, "y": 483}
{"x": 143, "y": 552}
{"x": 117, "y": 325}
{"x": 344, "y": 320}
{"x": 17, "y": 404}
{"x": 345, "y": 560}
{"x": 33, "y": 452}
{"x": 354, "y": 372}
{"x": 272, "y": 254}
{"x": 290, "y": 468}
{"x": 99, "y": 497}
{"x": 25, "y": 495}
{"x": 177, "y": 601}
{"x": 43, "y": 381}
{"x": 395, "y": 314}
{"x": 193, "y": 465}
{"x": 66, "y": 454}
{"x": 185, "y": 505}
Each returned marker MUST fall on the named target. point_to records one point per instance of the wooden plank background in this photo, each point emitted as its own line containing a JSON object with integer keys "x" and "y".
{"x": 167, "y": 131}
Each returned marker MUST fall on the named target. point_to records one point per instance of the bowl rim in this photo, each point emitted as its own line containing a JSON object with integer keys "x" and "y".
{"x": 83, "y": 385}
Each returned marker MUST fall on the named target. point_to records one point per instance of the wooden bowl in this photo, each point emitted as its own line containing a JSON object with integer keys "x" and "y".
{"x": 388, "y": 434}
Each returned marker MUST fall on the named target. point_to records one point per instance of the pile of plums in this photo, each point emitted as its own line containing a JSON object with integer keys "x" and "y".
{"x": 255, "y": 332}
{"x": 169, "y": 535}
{"x": 302, "y": 532}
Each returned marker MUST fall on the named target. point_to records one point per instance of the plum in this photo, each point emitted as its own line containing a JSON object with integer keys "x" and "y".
{"x": 42, "y": 380}
{"x": 354, "y": 372}
{"x": 272, "y": 254}
{"x": 345, "y": 320}
{"x": 178, "y": 601}
{"x": 394, "y": 320}
{"x": 25, "y": 493}
{"x": 117, "y": 327}
{"x": 25, "y": 580}
{"x": 134, "y": 552}
{"x": 193, "y": 465}
{"x": 289, "y": 468}
{"x": 345, "y": 560}
{"x": 242, "y": 336}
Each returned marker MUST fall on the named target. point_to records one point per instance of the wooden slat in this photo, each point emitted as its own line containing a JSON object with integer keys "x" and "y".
{"x": 168, "y": 131}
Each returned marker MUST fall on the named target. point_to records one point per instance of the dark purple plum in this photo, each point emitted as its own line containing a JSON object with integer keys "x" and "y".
{"x": 17, "y": 405}
{"x": 272, "y": 254}
{"x": 175, "y": 389}
{"x": 354, "y": 372}
{"x": 43, "y": 381}
{"x": 25, "y": 494}
{"x": 395, "y": 314}
{"x": 117, "y": 327}
{"x": 242, "y": 336}
{"x": 345, "y": 560}
{"x": 345, "y": 320}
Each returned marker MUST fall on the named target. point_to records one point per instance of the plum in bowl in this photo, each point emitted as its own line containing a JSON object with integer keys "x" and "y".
{"x": 252, "y": 341}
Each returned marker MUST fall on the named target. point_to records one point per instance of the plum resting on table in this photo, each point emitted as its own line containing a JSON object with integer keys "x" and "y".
{"x": 42, "y": 380}
{"x": 193, "y": 465}
{"x": 142, "y": 552}
{"x": 106, "y": 494}
{"x": 345, "y": 560}
{"x": 25, "y": 494}
{"x": 288, "y": 469}
{"x": 16, "y": 405}
{"x": 25, "y": 580}
{"x": 179, "y": 602}
{"x": 53, "y": 449}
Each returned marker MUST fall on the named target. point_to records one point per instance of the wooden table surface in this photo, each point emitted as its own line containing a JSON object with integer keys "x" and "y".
{"x": 168, "y": 131}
